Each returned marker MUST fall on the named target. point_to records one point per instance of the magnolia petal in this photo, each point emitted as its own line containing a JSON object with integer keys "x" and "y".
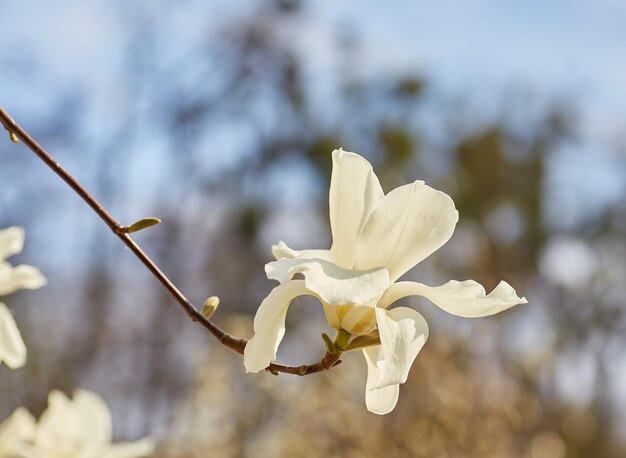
{"x": 80, "y": 427}
{"x": 462, "y": 298}
{"x": 11, "y": 242}
{"x": 403, "y": 332}
{"x": 57, "y": 424}
{"x": 269, "y": 325}
{"x": 29, "y": 277}
{"x": 139, "y": 449}
{"x": 62, "y": 430}
{"x": 13, "y": 279}
{"x": 354, "y": 194}
{"x": 409, "y": 224}
{"x": 380, "y": 401}
{"x": 333, "y": 284}
{"x": 93, "y": 411}
{"x": 15, "y": 431}
{"x": 12, "y": 348}
{"x": 282, "y": 251}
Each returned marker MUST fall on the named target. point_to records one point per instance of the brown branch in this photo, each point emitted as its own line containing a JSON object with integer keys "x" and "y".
{"x": 238, "y": 345}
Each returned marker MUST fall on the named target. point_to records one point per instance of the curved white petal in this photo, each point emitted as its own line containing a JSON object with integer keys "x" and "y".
{"x": 11, "y": 242}
{"x": 12, "y": 348}
{"x": 140, "y": 449}
{"x": 409, "y": 224}
{"x": 354, "y": 193}
{"x": 269, "y": 325}
{"x": 403, "y": 333}
{"x": 380, "y": 401}
{"x": 15, "y": 431}
{"x": 463, "y": 298}
{"x": 282, "y": 251}
{"x": 333, "y": 284}
{"x": 13, "y": 279}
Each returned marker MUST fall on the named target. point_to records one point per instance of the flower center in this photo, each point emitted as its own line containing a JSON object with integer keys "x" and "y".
{"x": 355, "y": 319}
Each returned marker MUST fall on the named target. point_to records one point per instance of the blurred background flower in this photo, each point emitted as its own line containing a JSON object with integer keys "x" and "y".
{"x": 220, "y": 119}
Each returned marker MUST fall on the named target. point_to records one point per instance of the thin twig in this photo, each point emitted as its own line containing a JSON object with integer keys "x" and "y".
{"x": 238, "y": 345}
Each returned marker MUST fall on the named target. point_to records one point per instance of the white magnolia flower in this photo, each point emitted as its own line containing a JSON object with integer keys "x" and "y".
{"x": 12, "y": 279}
{"x": 376, "y": 239}
{"x": 78, "y": 428}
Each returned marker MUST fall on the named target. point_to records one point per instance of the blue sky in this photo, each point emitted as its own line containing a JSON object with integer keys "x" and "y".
{"x": 477, "y": 50}
{"x": 573, "y": 46}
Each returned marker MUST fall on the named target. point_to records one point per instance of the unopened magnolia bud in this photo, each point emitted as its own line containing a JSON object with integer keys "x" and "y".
{"x": 13, "y": 137}
{"x": 210, "y": 306}
{"x": 142, "y": 224}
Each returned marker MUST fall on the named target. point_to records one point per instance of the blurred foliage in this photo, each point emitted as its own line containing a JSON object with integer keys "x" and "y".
{"x": 479, "y": 389}
{"x": 450, "y": 406}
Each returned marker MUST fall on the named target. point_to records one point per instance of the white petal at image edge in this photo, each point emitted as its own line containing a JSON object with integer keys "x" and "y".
{"x": 12, "y": 348}
{"x": 16, "y": 429}
{"x": 140, "y": 449}
{"x": 82, "y": 426}
{"x": 13, "y": 279}
{"x": 11, "y": 242}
